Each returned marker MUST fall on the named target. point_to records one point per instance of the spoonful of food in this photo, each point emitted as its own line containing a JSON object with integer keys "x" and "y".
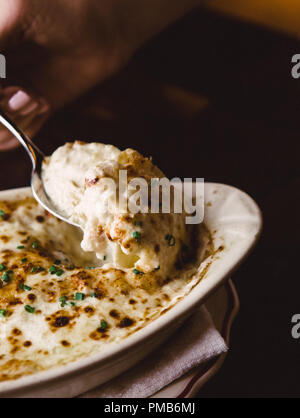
{"x": 36, "y": 157}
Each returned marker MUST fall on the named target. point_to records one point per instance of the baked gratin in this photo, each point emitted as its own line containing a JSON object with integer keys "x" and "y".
{"x": 66, "y": 294}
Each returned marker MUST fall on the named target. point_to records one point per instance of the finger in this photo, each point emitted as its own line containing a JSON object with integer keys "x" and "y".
{"x": 25, "y": 110}
{"x": 10, "y": 22}
{"x": 30, "y": 125}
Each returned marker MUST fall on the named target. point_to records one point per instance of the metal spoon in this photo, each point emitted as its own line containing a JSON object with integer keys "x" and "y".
{"x": 36, "y": 157}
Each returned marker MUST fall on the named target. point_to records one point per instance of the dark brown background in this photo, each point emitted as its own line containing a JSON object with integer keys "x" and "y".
{"x": 212, "y": 97}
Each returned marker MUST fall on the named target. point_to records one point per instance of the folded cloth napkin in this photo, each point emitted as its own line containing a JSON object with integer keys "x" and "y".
{"x": 199, "y": 342}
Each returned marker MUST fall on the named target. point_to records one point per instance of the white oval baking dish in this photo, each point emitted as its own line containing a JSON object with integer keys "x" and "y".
{"x": 236, "y": 220}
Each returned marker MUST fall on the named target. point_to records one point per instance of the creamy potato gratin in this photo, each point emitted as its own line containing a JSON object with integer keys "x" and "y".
{"x": 61, "y": 301}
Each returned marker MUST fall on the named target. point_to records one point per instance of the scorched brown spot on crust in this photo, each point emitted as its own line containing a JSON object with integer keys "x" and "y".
{"x": 157, "y": 248}
{"x": 31, "y": 297}
{"x": 5, "y": 238}
{"x": 99, "y": 293}
{"x": 61, "y": 319}
{"x": 15, "y": 368}
{"x": 132, "y": 302}
{"x": 80, "y": 280}
{"x": 114, "y": 314}
{"x": 126, "y": 323}
{"x": 98, "y": 334}
{"x": 40, "y": 219}
{"x": 122, "y": 285}
{"x": 89, "y": 310}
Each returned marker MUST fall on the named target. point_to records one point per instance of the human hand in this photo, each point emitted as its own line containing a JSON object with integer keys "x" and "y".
{"x": 58, "y": 49}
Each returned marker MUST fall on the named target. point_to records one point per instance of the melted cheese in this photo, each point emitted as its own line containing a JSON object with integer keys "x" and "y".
{"x": 49, "y": 320}
{"x": 90, "y": 194}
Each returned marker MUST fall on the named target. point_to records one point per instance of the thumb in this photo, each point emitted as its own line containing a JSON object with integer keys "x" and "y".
{"x": 10, "y": 23}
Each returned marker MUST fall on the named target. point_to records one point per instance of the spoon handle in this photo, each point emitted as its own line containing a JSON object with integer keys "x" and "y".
{"x": 21, "y": 137}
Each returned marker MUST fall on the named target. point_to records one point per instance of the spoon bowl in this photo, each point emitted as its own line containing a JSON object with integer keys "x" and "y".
{"x": 37, "y": 157}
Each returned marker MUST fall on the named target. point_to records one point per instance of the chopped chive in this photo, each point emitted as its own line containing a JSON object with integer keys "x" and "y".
{"x": 2, "y": 213}
{"x": 103, "y": 325}
{"x": 35, "y": 245}
{"x": 24, "y": 260}
{"x": 20, "y": 247}
{"x": 171, "y": 240}
{"x": 137, "y": 235}
{"x": 90, "y": 268}
{"x": 57, "y": 262}
{"x": 59, "y": 273}
{"x": 6, "y": 276}
{"x": 72, "y": 304}
{"x": 2, "y": 267}
{"x": 3, "y": 313}
{"x": 63, "y": 300}
{"x": 52, "y": 270}
{"x": 29, "y": 309}
{"x": 33, "y": 270}
{"x": 105, "y": 257}
{"x": 136, "y": 271}
{"x": 24, "y": 287}
{"x": 79, "y": 296}
{"x": 39, "y": 269}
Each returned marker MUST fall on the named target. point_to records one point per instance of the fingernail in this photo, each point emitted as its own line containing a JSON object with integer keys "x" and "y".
{"x": 18, "y": 101}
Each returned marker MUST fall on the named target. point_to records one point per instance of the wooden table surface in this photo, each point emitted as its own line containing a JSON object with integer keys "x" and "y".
{"x": 212, "y": 97}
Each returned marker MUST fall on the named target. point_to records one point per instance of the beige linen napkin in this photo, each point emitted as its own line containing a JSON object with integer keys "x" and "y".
{"x": 196, "y": 342}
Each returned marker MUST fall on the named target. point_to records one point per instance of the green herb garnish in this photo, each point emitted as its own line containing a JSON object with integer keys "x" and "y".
{"x": 63, "y": 300}
{"x": 137, "y": 235}
{"x": 39, "y": 269}
{"x": 105, "y": 257}
{"x": 136, "y": 271}
{"x": 2, "y": 267}
{"x": 35, "y": 245}
{"x": 24, "y": 260}
{"x": 33, "y": 270}
{"x": 6, "y": 276}
{"x": 20, "y": 247}
{"x": 24, "y": 287}
{"x": 29, "y": 309}
{"x": 103, "y": 325}
{"x": 2, "y": 213}
{"x": 3, "y": 313}
{"x": 52, "y": 270}
{"x": 79, "y": 296}
{"x": 57, "y": 262}
{"x": 171, "y": 240}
